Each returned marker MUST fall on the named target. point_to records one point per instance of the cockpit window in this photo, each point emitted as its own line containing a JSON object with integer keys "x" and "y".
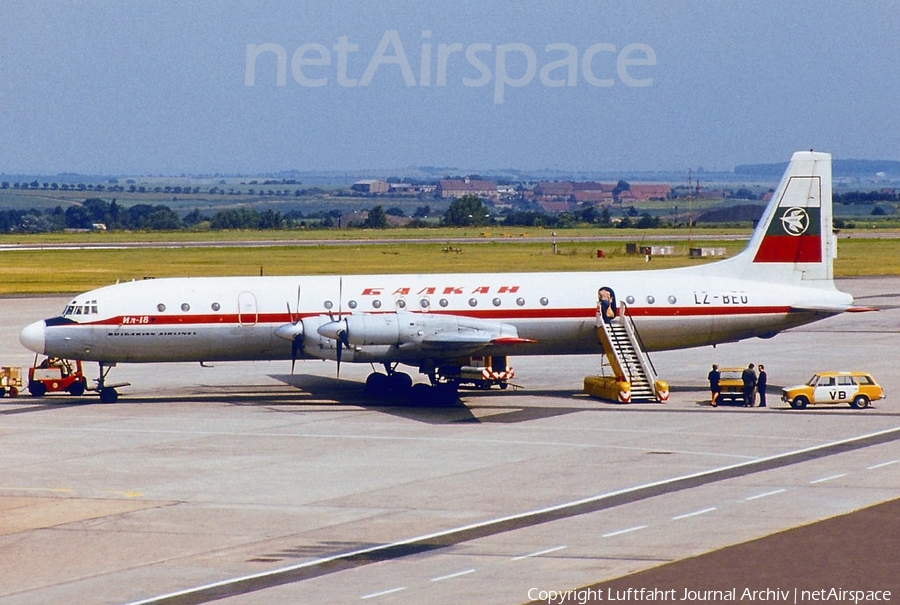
{"x": 88, "y": 307}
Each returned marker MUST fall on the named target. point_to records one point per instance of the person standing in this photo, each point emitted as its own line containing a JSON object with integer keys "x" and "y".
{"x": 748, "y": 377}
{"x": 607, "y": 306}
{"x": 714, "y": 376}
{"x": 761, "y": 382}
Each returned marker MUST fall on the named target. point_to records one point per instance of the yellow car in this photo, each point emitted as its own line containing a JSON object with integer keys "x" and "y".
{"x": 731, "y": 386}
{"x": 856, "y": 388}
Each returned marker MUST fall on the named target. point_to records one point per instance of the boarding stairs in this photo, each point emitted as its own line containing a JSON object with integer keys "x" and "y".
{"x": 627, "y": 357}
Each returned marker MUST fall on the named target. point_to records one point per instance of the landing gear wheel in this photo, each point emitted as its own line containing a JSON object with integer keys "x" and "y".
{"x": 108, "y": 395}
{"x": 420, "y": 393}
{"x": 399, "y": 382}
{"x": 445, "y": 395}
{"x": 377, "y": 384}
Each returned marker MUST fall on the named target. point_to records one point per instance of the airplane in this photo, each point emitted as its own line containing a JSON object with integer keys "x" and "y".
{"x": 782, "y": 279}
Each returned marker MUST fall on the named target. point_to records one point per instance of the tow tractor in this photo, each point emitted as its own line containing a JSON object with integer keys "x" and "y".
{"x": 54, "y": 375}
{"x": 10, "y": 381}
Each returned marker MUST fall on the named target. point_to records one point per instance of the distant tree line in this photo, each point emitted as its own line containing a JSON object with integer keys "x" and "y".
{"x": 867, "y": 197}
{"x": 114, "y": 187}
{"x": 467, "y": 211}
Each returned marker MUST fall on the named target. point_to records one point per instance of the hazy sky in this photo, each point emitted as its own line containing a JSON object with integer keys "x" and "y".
{"x": 139, "y": 87}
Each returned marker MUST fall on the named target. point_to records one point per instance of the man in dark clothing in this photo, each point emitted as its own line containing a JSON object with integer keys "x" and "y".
{"x": 761, "y": 382}
{"x": 714, "y": 376}
{"x": 748, "y": 377}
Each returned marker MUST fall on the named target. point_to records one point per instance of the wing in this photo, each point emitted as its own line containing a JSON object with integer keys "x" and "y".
{"x": 428, "y": 332}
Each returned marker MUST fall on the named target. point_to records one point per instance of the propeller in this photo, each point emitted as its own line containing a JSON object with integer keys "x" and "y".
{"x": 297, "y": 340}
{"x": 342, "y": 342}
{"x": 342, "y": 333}
{"x": 337, "y": 329}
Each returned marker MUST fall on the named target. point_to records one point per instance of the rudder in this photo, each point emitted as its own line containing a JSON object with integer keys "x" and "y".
{"x": 795, "y": 231}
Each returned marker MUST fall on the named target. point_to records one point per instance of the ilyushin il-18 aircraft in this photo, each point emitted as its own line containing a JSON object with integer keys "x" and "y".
{"x": 435, "y": 322}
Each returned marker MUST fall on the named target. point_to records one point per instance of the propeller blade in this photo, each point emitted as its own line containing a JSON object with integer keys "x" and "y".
{"x": 341, "y": 339}
{"x": 296, "y": 344}
{"x": 342, "y": 334}
{"x": 297, "y": 340}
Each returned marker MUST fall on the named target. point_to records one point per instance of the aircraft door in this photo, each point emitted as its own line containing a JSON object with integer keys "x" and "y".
{"x": 248, "y": 314}
{"x": 607, "y": 306}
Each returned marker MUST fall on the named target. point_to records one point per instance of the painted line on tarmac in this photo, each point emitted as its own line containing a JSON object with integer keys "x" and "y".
{"x": 696, "y": 513}
{"x": 450, "y": 576}
{"x": 357, "y": 558}
{"x": 774, "y": 492}
{"x": 383, "y": 592}
{"x": 621, "y": 532}
{"x": 539, "y": 553}
{"x": 828, "y": 478}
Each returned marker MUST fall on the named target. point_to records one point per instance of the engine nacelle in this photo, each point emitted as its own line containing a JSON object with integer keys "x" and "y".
{"x": 403, "y": 328}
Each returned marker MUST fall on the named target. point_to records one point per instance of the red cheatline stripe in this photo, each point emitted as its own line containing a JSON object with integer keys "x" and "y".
{"x": 497, "y": 315}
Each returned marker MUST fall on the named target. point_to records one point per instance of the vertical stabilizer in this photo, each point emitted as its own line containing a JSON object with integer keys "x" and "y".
{"x": 794, "y": 239}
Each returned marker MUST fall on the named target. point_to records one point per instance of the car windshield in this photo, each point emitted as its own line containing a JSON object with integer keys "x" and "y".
{"x": 813, "y": 381}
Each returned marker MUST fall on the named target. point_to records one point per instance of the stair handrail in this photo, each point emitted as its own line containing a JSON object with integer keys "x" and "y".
{"x": 626, "y": 317}
{"x": 617, "y": 365}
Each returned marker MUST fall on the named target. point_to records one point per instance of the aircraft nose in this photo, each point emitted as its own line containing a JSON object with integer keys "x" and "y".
{"x": 32, "y": 336}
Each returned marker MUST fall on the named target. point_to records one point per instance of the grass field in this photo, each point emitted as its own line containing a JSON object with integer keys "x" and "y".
{"x": 76, "y": 270}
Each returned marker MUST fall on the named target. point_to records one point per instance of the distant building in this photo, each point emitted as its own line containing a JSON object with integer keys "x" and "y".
{"x": 598, "y": 193}
{"x": 556, "y": 206}
{"x": 370, "y": 186}
{"x": 644, "y": 193}
{"x": 455, "y": 188}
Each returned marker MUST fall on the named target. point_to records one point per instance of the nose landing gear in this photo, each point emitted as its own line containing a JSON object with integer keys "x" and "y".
{"x": 108, "y": 392}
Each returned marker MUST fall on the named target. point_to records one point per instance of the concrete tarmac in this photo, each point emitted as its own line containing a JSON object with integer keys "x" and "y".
{"x": 242, "y": 483}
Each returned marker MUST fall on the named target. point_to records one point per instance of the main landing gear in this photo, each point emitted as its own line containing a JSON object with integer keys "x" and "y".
{"x": 398, "y": 387}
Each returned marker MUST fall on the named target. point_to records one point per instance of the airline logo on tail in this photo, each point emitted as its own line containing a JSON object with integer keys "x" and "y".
{"x": 794, "y": 233}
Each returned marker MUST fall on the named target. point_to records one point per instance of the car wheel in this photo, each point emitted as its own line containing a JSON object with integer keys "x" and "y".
{"x": 860, "y": 402}
{"x": 799, "y": 402}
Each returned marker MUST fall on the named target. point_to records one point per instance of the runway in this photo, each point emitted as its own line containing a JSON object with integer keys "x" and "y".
{"x": 241, "y": 483}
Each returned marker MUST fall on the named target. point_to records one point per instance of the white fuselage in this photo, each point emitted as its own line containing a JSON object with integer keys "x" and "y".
{"x": 214, "y": 319}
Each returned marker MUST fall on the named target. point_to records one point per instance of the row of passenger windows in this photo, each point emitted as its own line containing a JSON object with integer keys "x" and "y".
{"x": 161, "y": 307}
{"x": 651, "y": 300}
{"x": 401, "y": 303}
{"x": 425, "y": 303}
{"x": 376, "y": 304}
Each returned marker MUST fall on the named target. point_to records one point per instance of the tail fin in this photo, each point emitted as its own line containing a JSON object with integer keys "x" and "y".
{"x": 794, "y": 239}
